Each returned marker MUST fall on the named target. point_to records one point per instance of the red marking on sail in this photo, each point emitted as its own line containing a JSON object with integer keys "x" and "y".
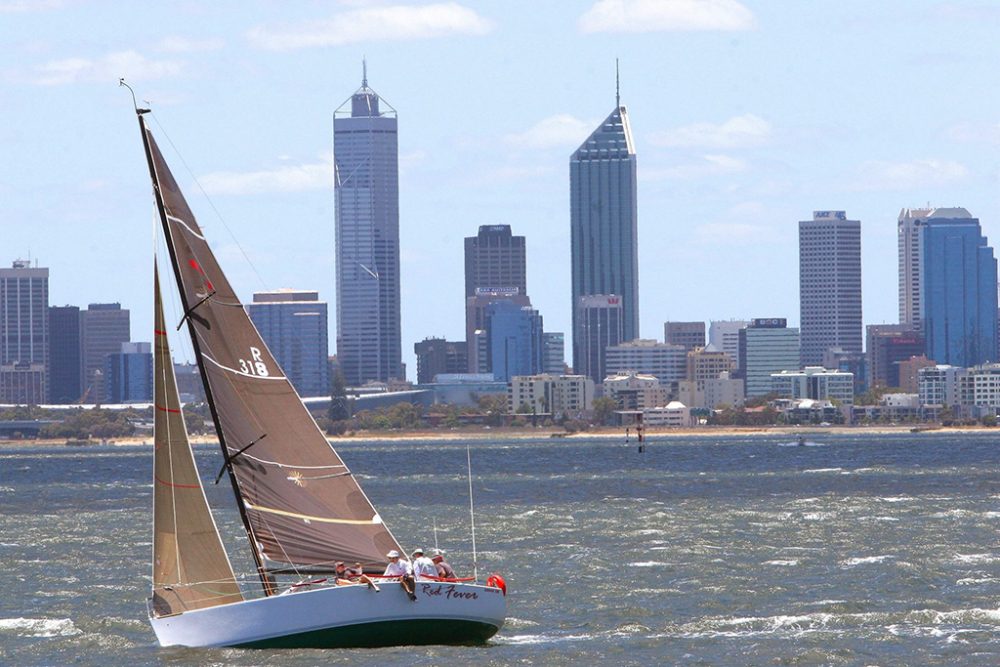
{"x": 176, "y": 486}
{"x": 159, "y": 333}
{"x": 163, "y": 409}
{"x": 197, "y": 267}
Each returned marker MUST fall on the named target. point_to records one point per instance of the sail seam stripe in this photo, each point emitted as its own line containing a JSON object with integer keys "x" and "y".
{"x": 163, "y": 409}
{"x": 289, "y": 465}
{"x": 175, "y": 485}
{"x": 184, "y": 225}
{"x": 233, "y": 370}
{"x": 307, "y": 517}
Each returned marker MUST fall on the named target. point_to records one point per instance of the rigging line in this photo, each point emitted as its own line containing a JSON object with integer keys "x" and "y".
{"x": 191, "y": 310}
{"x": 210, "y": 202}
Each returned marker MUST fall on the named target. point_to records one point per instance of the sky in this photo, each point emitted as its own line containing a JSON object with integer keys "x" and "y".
{"x": 747, "y": 115}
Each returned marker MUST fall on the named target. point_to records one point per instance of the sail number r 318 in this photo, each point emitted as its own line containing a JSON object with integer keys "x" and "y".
{"x": 254, "y": 365}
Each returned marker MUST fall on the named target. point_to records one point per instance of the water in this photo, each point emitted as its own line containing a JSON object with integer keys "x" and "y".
{"x": 876, "y": 550}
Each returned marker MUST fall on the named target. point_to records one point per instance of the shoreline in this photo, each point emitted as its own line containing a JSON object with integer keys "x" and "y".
{"x": 603, "y": 433}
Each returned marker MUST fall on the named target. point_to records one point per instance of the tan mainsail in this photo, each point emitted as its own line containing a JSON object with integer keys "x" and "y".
{"x": 301, "y": 504}
{"x": 190, "y": 567}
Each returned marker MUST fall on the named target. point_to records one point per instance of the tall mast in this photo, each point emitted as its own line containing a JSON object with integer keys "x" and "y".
{"x": 266, "y": 582}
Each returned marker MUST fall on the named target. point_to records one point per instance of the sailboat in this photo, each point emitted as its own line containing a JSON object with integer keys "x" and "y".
{"x": 300, "y": 505}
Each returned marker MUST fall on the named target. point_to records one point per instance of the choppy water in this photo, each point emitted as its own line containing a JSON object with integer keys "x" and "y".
{"x": 727, "y": 551}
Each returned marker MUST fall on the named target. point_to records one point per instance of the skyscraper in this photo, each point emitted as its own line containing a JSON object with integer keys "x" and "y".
{"x": 959, "y": 289}
{"x": 367, "y": 231}
{"x": 437, "y": 355}
{"x": 103, "y": 329}
{"x": 604, "y": 227}
{"x": 64, "y": 354}
{"x": 829, "y": 285}
{"x": 908, "y": 227}
{"x": 725, "y": 335}
{"x": 495, "y": 268}
{"x": 293, "y": 323}
{"x": 495, "y": 260}
{"x": 600, "y": 326}
{"x": 24, "y": 333}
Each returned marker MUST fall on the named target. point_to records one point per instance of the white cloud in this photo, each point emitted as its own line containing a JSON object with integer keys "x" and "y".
{"x": 175, "y": 44}
{"x": 737, "y": 132}
{"x": 554, "y": 131}
{"x": 288, "y": 178}
{"x": 975, "y": 133}
{"x": 709, "y": 165}
{"x": 129, "y": 64}
{"x": 666, "y": 15}
{"x": 880, "y": 175}
{"x": 375, "y": 24}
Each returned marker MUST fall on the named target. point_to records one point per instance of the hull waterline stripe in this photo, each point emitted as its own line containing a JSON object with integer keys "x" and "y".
{"x": 184, "y": 225}
{"x": 306, "y": 517}
{"x": 236, "y": 372}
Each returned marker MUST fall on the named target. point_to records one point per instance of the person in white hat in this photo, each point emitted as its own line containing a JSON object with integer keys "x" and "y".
{"x": 423, "y": 567}
{"x": 400, "y": 568}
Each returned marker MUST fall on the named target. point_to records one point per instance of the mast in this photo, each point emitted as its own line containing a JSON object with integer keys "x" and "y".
{"x": 266, "y": 582}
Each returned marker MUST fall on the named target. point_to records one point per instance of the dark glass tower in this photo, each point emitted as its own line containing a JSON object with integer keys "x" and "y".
{"x": 64, "y": 354}
{"x": 603, "y": 225}
{"x": 367, "y": 229}
{"x": 959, "y": 278}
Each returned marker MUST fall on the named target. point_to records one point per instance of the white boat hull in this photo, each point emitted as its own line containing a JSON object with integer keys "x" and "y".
{"x": 344, "y": 616}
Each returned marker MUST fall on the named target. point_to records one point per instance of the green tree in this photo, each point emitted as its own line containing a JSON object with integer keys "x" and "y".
{"x": 340, "y": 407}
{"x": 604, "y": 409}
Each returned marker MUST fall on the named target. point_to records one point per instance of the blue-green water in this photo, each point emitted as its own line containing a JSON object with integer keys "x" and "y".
{"x": 878, "y": 550}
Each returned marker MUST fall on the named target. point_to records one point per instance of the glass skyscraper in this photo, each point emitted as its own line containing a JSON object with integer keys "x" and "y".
{"x": 367, "y": 231}
{"x": 24, "y": 333}
{"x": 959, "y": 280}
{"x": 604, "y": 228}
{"x": 293, "y": 324}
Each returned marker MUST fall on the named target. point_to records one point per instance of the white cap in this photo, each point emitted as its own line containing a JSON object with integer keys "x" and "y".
{"x": 392, "y": 554}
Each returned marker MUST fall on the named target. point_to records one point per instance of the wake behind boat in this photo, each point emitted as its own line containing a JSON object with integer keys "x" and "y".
{"x": 301, "y": 506}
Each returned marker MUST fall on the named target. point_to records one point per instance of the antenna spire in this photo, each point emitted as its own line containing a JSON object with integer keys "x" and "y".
{"x": 618, "y": 90}
{"x": 364, "y": 72}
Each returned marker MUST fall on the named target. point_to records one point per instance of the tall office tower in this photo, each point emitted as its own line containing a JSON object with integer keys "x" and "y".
{"x": 514, "y": 340}
{"x": 103, "y": 329}
{"x": 495, "y": 260}
{"x": 366, "y": 191}
{"x": 908, "y": 227}
{"x": 129, "y": 374}
{"x": 725, "y": 336}
{"x": 495, "y": 268}
{"x": 553, "y": 353}
{"x": 604, "y": 229}
{"x": 688, "y": 334}
{"x": 24, "y": 334}
{"x": 293, "y": 323}
{"x": 767, "y": 345}
{"x": 886, "y": 346}
{"x": 829, "y": 285}
{"x": 600, "y": 324}
{"x": 64, "y": 355}
{"x": 708, "y": 363}
{"x": 437, "y": 355}
{"x": 959, "y": 276}
{"x": 476, "y": 321}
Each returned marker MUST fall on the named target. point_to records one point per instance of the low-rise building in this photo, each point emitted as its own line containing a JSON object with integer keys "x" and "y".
{"x": 635, "y": 391}
{"x": 557, "y": 395}
{"x": 673, "y": 415}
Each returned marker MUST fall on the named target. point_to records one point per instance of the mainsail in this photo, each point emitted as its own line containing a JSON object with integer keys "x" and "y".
{"x": 190, "y": 566}
{"x": 301, "y": 504}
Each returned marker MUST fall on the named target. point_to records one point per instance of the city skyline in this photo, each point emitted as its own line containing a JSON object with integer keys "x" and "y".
{"x": 763, "y": 126}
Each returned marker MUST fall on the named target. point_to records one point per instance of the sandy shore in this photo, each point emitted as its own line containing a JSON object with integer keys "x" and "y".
{"x": 480, "y": 433}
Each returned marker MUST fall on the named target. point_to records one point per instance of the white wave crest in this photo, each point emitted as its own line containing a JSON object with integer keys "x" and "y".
{"x": 39, "y": 627}
{"x": 862, "y": 560}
